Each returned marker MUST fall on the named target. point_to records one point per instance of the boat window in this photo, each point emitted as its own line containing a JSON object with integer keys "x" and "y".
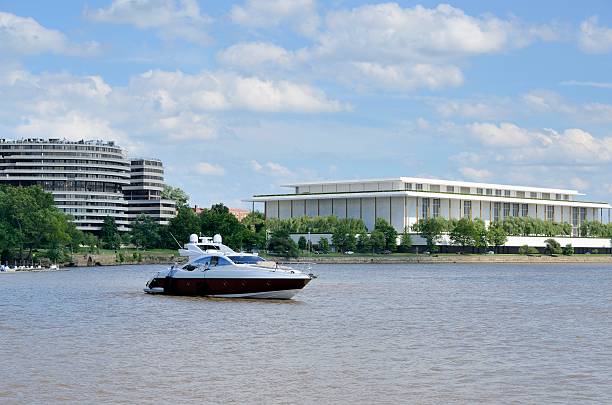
{"x": 219, "y": 261}
{"x": 189, "y": 267}
{"x": 209, "y": 247}
{"x": 247, "y": 259}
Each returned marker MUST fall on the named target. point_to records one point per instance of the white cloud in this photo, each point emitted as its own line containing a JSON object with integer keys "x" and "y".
{"x": 504, "y": 135}
{"x": 599, "y": 85}
{"x": 174, "y": 19}
{"x": 593, "y": 38}
{"x": 187, "y": 125}
{"x": 210, "y": 169}
{"x": 251, "y": 54}
{"x": 272, "y": 168}
{"x": 475, "y": 174}
{"x": 270, "y": 13}
{"x": 221, "y": 91}
{"x": 405, "y": 77}
{"x": 74, "y": 125}
{"x": 24, "y": 35}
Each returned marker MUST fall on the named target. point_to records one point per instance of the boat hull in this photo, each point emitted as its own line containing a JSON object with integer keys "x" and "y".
{"x": 270, "y": 288}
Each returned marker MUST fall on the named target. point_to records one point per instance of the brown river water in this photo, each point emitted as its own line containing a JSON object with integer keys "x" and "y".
{"x": 424, "y": 334}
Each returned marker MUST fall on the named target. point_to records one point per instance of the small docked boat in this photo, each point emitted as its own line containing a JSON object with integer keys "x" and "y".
{"x": 215, "y": 270}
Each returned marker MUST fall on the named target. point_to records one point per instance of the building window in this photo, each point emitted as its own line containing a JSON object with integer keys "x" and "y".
{"x": 520, "y": 194}
{"x": 479, "y": 191}
{"x": 507, "y": 193}
{"x": 498, "y": 193}
{"x": 516, "y": 208}
{"x": 550, "y": 213}
{"x": 559, "y": 197}
{"x": 566, "y": 197}
{"x": 419, "y": 187}
{"x": 450, "y": 189}
{"x": 435, "y": 212}
{"x": 506, "y": 210}
{"x": 533, "y": 195}
{"x": 434, "y": 187}
{"x": 524, "y": 210}
{"x": 496, "y": 211}
{"x": 425, "y": 208}
{"x": 489, "y": 191}
{"x": 467, "y": 209}
{"x": 546, "y": 196}
{"x": 578, "y": 217}
{"x": 408, "y": 186}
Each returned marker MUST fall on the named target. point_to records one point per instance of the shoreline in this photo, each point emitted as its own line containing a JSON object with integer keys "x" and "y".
{"x": 458, "y": 259}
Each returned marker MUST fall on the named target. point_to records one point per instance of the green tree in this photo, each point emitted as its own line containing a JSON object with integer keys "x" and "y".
{"x": 363, "y": 244}
{"x": 218, "y": 220}
{"x": 343, "y": 238}
{"x": 552, "y": 247}
{"x": 302, "y": 244}
{"x": 109, "y": 234}
{"x": 463, "y": 233}
{"x": 177, "y": 195}
{"x": 180, "y": 227}
{"x": 378, "y": 240}
{"x": 91, "y": 242}
{"x": 496, "y": 235}
{"x": 145, "y": 232}
{"x": 405, "y": 241}
{"x": 281, "y": 244}
{"x": 389, "y": 231}
{"x": 324, "y": 245}
{"x": 568, "y": 250}
{"x": 431, "y": 230}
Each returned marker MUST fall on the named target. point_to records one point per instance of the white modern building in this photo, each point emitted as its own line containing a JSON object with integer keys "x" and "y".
{"x": 89, "y": 180}
{"x": 403, "y": 201}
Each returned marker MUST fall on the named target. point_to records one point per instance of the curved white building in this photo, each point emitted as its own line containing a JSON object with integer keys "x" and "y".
{"x": 89, "y": 180}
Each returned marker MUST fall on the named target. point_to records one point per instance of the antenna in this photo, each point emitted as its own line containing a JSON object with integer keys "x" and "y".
{"x": 179, "y": 245}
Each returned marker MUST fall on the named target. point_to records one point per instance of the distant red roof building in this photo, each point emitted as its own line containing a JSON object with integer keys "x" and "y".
{"x": 239, "y": 213}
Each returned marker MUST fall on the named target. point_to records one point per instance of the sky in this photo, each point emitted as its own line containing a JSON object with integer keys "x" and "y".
{"x": 238, "y": 98}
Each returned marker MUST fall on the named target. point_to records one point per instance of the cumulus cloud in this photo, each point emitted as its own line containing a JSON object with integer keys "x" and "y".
{"x": 270, "y": 13}
{"x": 502, "y": 135}
{"x": 24, "y": 35}
{"x": 593, "y": 38}
{"x": 73, "y": 125}
{"x": 519, "y": 145}
{"x": 251, "y": 54}
{"x": 476, "y": 174}
{"x": 173, "y": 19}
{"x": 210, "y": 169}
{"x": 383, "y": 46}
{"x": 272, "y": 168}
{"x": 222, "y": 91}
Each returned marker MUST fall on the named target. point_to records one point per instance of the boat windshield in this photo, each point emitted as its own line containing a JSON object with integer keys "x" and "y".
{"x": 246, "y": 259}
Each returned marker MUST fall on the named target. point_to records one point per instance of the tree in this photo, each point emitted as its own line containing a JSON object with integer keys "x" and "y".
{"x": 463, "y": 233}
{"x": 91, "y": 241}
{"x": 145, "y": 232}
{"x": 431, "y": 229}
{"x": 528, "y": 250}
{"x": 180, "y": 227}
{"x": 302, "y": 244}
{"x": 324, "y": 245}
{"x": 363, "y": 244}
{"x": 389, "y": 232}
{"x": 343, "y": 238}
{"x": 568, "y": 250}
{"x": 377, "y": 240}
{"x": 177, "y": 195}
{"x": 496, "y": 235}
{"x": 405, "y": 242}
{"x": 109, "y": 234}
{"x": 280, "y": 243}
{"x": 552, "y": 247}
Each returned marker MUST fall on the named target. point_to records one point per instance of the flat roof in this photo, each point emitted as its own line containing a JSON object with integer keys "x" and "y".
{"x": 440, "y": 182}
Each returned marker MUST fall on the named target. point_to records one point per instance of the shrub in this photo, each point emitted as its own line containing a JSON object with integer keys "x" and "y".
{"x": 302, "y": 244}
{"x": 552, "y": 247}
{"x": 568, "y": 250}
{"x": 324, "y": 245}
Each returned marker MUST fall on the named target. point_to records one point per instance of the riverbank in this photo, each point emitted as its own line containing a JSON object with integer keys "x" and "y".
{"x": 122, "y": 257}
{"x": 450, "y": 259}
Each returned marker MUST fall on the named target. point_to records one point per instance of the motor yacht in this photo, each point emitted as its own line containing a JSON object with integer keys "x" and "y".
{"x": 215, "y": 270}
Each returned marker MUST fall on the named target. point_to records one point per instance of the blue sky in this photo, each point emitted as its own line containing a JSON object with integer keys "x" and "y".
{"x": 238, "y": 98}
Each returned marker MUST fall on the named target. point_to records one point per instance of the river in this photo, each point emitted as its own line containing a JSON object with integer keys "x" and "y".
{"x": 425, "y": 334}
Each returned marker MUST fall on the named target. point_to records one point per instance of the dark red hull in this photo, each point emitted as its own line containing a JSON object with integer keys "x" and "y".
{"x": 227, "y": 286}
